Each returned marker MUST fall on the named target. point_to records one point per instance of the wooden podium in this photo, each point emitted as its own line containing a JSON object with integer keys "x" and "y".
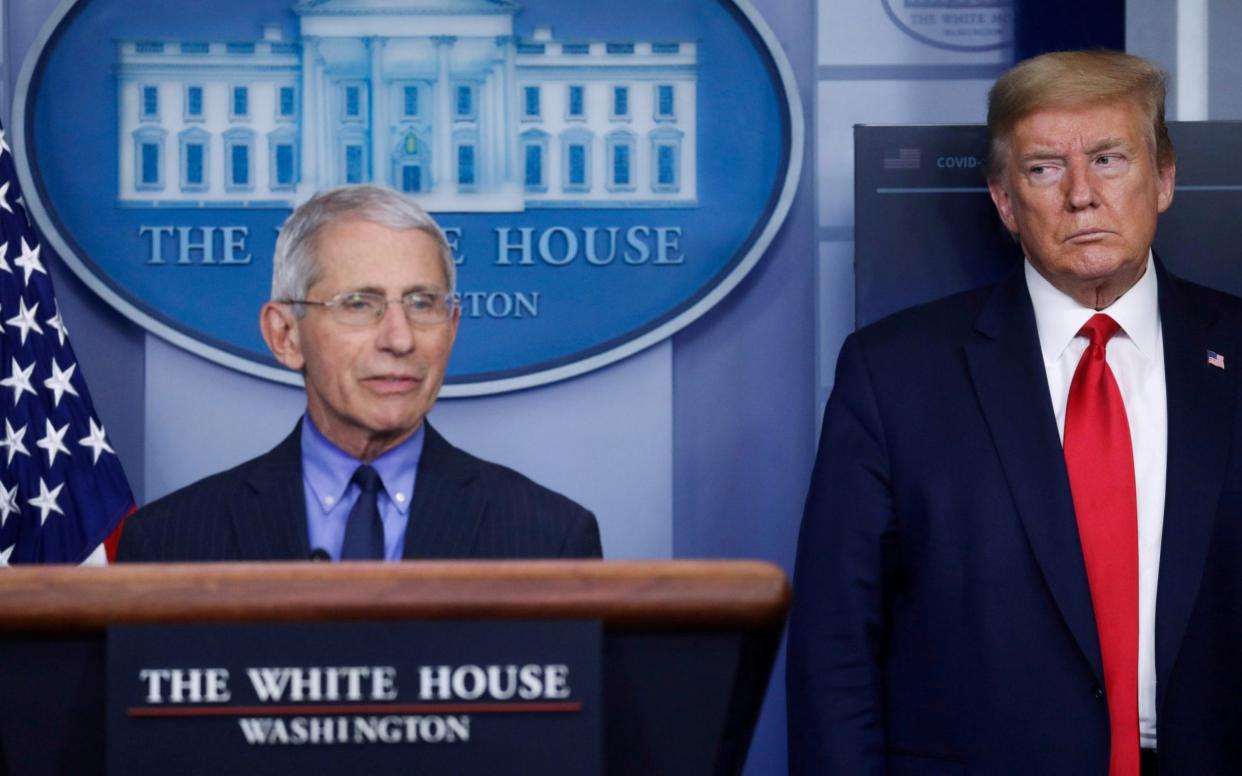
{"x": 688, "y": 645}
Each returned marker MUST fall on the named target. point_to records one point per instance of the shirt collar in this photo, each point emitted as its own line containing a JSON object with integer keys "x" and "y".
{"x": 1058, "y": 317}
{"x": 328, "y": 469}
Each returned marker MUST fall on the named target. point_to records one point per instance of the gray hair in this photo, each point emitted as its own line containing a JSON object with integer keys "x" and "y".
{"x": 295, "y": 266}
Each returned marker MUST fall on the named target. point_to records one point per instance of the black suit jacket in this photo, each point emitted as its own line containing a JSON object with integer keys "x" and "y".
{"x": 942, "y": 621}
{"x": 463, "y": 507}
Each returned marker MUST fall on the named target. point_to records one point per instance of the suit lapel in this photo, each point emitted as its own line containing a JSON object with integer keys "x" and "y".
{"x": 446, "y": 510}
{"x": 1012, "y": 386}
{"x": 269, "y": 516}
{"x": 1200, "y": 401}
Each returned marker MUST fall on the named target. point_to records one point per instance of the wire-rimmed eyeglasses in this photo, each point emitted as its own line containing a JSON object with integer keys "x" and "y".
{"x": 364, "y": 308}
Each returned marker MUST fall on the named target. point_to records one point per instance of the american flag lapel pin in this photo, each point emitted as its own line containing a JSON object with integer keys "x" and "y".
{"x": 1216, "y": 359}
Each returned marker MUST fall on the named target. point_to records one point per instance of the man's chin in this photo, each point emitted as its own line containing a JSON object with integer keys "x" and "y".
{"x": 1098, "y": 284}
{"x": 1110, "y": 270}
{"x": 1102, "y": 264}
{"x": 393, "y": 427}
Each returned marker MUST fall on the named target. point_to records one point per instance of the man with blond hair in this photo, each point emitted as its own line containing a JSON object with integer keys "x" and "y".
{"x": 1022, "y": 545}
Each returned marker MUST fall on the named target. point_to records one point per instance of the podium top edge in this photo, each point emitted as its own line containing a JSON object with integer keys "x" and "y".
{"x": 624, "y": 595}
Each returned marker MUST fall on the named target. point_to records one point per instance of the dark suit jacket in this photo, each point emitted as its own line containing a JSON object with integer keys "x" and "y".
{"x": 942, "y": 622}
{"x": 463, "y": 507}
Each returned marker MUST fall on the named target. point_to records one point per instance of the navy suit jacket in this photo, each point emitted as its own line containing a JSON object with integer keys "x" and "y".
{"x": 463, "y": 507}
{"x": 942, "y": 621}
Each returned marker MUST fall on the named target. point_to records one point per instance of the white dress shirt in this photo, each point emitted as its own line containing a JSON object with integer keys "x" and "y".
{"x": 1136, "y": 356}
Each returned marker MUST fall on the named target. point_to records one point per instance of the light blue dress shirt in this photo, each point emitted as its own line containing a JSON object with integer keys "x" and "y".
{"x": 326, "y": 474}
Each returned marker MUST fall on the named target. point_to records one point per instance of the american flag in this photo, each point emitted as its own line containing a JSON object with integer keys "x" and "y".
{"x": 1216, "y": 359}
{"x": 62, "y": 490}
{"x": 904, "y": 159}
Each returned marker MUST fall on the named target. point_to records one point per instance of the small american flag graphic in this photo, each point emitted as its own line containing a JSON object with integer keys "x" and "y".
{"x": 903, "y": 159}
{"x": 1216, "y": 359}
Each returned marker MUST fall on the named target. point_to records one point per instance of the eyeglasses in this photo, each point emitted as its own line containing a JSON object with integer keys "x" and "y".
{"x": 365, "y": 308}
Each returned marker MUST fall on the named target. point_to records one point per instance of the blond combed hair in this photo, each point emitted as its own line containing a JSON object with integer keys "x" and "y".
{"x": 1070, "y": 79}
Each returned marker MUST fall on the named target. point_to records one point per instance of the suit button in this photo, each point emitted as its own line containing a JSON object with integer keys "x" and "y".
{"x": 1098, "y": 694}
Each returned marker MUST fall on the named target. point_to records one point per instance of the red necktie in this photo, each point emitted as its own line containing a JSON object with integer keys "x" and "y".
{"x": 1100, "y": 462}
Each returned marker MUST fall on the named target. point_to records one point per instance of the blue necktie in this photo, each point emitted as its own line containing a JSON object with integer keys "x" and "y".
{"x": 364, "y": 531}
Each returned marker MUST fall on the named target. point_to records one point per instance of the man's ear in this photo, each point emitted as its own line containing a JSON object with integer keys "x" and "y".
{"x": 1166, "y": 183}
{"x": 453, "y": 323}
{"x": 280, "y": 331}
{"x": 1004, "y": 208}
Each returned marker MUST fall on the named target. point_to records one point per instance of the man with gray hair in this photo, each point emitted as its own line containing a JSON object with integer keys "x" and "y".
{"x": 1022, "y": 545}
{"x": 363, "y": 305}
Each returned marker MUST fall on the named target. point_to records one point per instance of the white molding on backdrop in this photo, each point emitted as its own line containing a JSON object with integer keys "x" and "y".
{"x": 1192, "y": 60}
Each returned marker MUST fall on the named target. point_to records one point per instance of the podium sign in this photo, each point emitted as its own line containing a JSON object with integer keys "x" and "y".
{"x": 496, "y": 697}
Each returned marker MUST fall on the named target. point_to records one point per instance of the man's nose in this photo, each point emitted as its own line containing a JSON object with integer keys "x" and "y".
{"x": 395, "y": 332}
{"x": 1080, "y": 186}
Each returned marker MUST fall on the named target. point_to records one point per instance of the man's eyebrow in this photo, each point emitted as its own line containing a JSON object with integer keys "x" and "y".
{"x": 1109, "y": 143}
{"x": 1106, "y": 144}
{"x": 418, "y": 288}
{"x": 1040, "y": 154}
{"x": 365, "y": 290}
{"x": 421, "y": 288}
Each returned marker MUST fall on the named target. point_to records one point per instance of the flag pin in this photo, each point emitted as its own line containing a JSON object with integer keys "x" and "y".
{"x": 1216, "y": 359}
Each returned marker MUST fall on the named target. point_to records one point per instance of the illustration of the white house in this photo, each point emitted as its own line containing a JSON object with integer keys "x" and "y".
{"x": 432, "y": 97}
